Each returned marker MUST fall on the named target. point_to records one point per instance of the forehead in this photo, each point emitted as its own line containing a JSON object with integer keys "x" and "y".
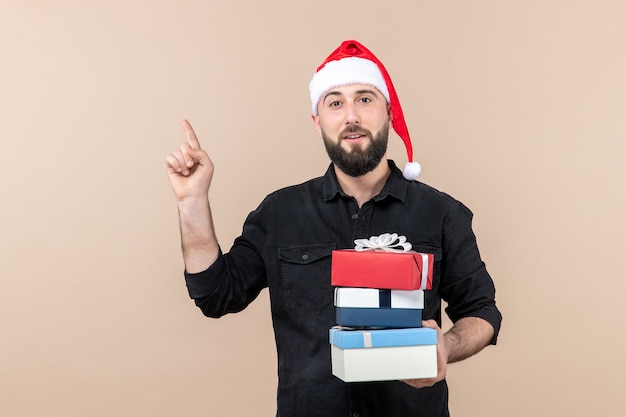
{"x": 353, "y": 89}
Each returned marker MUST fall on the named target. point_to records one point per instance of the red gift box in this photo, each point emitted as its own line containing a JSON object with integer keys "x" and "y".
{"x": 385, "y": 270}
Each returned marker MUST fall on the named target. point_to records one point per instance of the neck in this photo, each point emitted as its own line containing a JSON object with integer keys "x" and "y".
{"x": 365, "y": 187}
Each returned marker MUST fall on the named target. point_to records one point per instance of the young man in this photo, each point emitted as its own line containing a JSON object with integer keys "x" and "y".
{"x": 287, "y": 241}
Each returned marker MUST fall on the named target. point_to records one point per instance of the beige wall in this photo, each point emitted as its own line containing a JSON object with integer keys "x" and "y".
{"x": 515, "y": 108}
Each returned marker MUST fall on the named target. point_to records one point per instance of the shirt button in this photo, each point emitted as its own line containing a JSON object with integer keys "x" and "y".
{"x": 305, "y": 257}
{"x": 355, "y": 414}
{"x": 354, "y": 217}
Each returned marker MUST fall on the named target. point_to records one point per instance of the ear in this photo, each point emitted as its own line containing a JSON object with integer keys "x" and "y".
{"x": 390, "y": 113}
{"x": 316, "y": 121}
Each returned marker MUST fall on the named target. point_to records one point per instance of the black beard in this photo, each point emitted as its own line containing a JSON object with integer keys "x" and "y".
{"x": 358, "y": 161}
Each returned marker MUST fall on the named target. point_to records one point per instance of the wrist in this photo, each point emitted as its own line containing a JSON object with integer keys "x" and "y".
{"x": 193, "y": 203}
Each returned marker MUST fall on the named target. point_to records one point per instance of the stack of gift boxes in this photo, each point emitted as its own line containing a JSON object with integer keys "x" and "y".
{"x": 379, "y": 298}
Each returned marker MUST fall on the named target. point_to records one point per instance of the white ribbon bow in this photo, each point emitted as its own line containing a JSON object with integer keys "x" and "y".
{"x": 389, "y": 242}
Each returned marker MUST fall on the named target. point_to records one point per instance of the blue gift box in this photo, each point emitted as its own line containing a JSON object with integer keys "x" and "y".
{"x": 378, "y": 317}
{"x": 358, "y": 339}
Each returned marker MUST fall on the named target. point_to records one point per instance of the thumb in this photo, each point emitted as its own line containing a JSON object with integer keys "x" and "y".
{"x": 199, "y": 156}
{"x": 432, "y": 324}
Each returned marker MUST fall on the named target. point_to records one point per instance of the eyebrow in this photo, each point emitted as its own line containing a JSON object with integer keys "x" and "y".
{"x": 331, "y": 93}
{"x": 366, "y": 91}
{"x": 337, "y": 93}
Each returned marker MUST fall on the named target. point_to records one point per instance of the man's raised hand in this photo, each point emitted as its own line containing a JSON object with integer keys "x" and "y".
{"x": 189, "y": 168}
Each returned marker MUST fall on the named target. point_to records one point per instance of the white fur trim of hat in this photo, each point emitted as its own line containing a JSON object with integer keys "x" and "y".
{"x": 345, "y": 72}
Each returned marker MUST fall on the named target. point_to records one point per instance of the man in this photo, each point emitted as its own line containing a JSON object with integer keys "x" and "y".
{"x": 287, "y": 241}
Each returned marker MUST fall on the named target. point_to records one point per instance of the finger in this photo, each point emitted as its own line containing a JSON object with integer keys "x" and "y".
{"x": 182, "y": 166}
{"x": 420, "y": 383}
{"x": 185, "y": 154}
{"x": 192, "y": 139}
{"x": 173, "y": 163}
{"x": 180, "y": 160}
{"x": 432, "y": 324}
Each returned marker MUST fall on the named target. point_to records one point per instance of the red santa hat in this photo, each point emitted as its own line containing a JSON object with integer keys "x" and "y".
{"x": 352, "y": 63}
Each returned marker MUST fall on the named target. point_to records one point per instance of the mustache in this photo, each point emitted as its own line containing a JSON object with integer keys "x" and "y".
{"x": 352, "y": 129}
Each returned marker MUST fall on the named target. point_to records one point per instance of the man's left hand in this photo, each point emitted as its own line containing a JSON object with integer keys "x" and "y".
{"x": 442, "y": 359}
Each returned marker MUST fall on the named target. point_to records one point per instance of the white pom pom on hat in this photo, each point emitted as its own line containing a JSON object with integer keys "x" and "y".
{"x": 412, "y": 170}
{"x": 353, "y": 63}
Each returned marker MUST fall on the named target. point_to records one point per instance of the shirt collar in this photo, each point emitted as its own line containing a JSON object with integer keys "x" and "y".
{"x": 396, "y": 185}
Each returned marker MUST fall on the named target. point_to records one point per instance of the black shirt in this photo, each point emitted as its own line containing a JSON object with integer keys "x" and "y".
{"x": 286, "y": 245}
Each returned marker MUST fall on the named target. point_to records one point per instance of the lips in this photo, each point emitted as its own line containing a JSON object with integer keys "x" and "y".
{"x": 353, "y": 134}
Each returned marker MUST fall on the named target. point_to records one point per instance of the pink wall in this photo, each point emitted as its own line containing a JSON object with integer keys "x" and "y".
{"x": 515, "y": 108}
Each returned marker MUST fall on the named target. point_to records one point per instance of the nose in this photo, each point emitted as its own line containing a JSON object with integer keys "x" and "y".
{"x": 352, "y": 115}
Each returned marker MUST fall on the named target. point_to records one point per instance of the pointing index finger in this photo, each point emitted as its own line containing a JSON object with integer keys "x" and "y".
{"x": 192, "y": 139}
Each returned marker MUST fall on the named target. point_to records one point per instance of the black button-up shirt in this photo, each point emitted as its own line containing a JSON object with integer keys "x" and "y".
{"x": 286, "y": 245}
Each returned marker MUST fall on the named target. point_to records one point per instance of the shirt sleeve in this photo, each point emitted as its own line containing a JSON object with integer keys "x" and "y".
{"x": 237, "y": 277}
{"x": 466, "y": 285}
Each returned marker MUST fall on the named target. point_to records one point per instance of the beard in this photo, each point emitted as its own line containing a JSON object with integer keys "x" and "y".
{"x": 357, "y": 161}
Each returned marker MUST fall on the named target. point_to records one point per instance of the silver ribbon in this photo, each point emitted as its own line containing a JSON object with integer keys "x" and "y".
{"x": 388, "y": 242}
{"x": 367, "y": 340}
{"x": 367, "y": 336}
{"x": 425, "y": 268}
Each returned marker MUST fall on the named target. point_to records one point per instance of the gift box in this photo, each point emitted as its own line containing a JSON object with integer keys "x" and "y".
{"x": 378, "y": 317}
{"x": 378, "y": 298}
{"x": 383, "y": 355}
{"x": 383, "y": 270}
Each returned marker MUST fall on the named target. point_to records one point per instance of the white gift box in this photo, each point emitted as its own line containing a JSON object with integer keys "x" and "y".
{"x": 378, "y": 298}
{"x": 383, "y": 355}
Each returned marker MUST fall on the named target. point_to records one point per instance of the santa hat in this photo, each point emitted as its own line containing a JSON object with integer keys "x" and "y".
{"x": 352, "y": 63}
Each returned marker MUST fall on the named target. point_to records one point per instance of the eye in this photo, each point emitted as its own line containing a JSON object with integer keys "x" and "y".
{"x": 335, "y": 103}
{"x": 365, "y": 100}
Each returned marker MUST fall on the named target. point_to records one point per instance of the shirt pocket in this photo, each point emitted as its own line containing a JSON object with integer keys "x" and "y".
{"x": 305, "y": 274}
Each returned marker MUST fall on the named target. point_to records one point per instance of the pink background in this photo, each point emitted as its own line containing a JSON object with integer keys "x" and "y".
{"x": 516, "y": 108}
